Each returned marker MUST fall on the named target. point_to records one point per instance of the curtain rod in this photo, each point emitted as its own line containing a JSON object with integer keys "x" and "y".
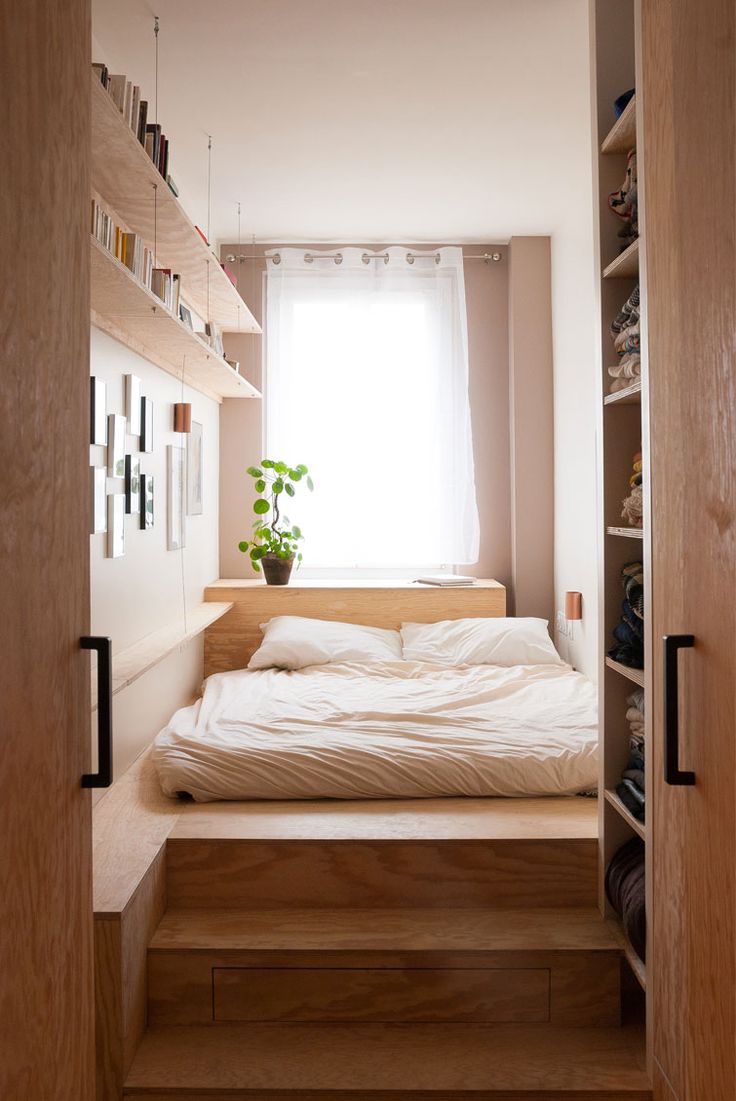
{"x": 310, "y": 257}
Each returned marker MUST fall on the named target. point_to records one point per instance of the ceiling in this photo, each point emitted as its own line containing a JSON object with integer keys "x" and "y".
{"x": 370, "y": 120}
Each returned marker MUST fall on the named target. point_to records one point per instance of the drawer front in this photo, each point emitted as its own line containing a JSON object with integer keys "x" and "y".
{"x": 381, "y": 994}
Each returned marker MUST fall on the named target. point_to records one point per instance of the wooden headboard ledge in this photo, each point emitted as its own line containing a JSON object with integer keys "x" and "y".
{"x": 232, "y": 640}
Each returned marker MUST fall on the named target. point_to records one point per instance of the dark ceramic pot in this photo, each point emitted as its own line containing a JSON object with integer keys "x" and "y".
{"x": 277, "y": 571}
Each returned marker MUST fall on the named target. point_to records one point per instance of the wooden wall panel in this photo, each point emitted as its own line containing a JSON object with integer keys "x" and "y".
{"x": 689, "y": 105}
{"x": 46, "y": 991}
{"x": 232, "y": 641}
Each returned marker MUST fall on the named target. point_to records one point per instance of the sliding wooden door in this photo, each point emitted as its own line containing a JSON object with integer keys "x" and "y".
{"x": 689, "y": 109}
{"x": 46, "y": 996}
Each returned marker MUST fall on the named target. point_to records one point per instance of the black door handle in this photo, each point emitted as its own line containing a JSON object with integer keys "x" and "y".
{"x": 103, "y": 777}
{"x": 672, "y": 772}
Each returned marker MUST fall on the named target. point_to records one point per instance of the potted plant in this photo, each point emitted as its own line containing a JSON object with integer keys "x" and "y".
{"x": 275, "y": 543}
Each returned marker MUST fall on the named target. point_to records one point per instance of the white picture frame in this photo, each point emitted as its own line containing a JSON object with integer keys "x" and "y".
{"x": 194, "y": 470}
{"x": 132, "y": 484}
{"x": 146, "y": 438}
{"x": 146, "y": 502}
{"x": 176, "y": 498}
{"x": 115, "y": 525}
{"x": 116, "y": 425}
{"x": 133, "y": 404}
{"x": 98, "y": 412}
{"x": 99, "y": 500}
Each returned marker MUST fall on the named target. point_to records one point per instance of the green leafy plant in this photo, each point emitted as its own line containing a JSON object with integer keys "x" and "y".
{"x": 274, "y": 533}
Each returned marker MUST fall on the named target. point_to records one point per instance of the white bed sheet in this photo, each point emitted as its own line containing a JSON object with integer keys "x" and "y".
{"x": 394, "y": 729}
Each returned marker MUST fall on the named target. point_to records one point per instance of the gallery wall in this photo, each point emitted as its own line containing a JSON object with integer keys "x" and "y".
{"x": 146, "y": 589}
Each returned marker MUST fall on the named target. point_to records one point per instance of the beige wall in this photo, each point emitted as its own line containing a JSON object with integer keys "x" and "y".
{"x": 143, "y": 591}
{"x": 531, "y": 426}
{"x": 486, "y": 288}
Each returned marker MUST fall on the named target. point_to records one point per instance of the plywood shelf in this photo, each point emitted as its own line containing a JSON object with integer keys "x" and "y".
{"x": 617, "y": 803}
{"x": 622, "y": 136}
{"x": 625, "y": 266}
{"x": 635, "y": 675}
{"x": 636, "y": 965}
{"x": 626, "y": 533}
{"x": 130, "y": 664}
{"x": 123, "y": 307}
{"x": 128, "y": 181}
{"x": 630, "y": 396}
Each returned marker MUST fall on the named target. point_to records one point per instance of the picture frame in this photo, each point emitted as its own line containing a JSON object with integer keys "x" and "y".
{"x": 214, "y": 336}
{"x": 194, "y": 470}
{"x": 176, "y": 503}
{"x": 116, "y": 425}
{"x": 146, "y": 502}
{"x": 98, "y": 525}
{"x": 98, "y": 412}
{"x": 115, "y": 525}
{"x": 185, "y": 316}
{"x": 133, "y": 404}
{"x": 146, "y": 437}
{"x": 132, "y": 484}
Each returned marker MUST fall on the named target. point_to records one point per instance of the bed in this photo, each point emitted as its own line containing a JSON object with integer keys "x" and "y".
{"x": 385, "y": 722}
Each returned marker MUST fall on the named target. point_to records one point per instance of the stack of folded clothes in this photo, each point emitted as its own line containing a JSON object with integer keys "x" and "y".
{"x": 629, "y": 634}
{"x": 625, "y": 334}
{"x": 631, "y": 789}
{"x": 632, "y": 507}
{"x": 625, "y": 888}
{"x": 624, "y": 203}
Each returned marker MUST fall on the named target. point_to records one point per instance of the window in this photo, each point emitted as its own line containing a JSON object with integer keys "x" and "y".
{"x": 366, "y": 383}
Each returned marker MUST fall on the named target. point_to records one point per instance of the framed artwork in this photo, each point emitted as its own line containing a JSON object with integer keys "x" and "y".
{"x": 99, "y": 499}
{"x": 146, "y": 501}
{"x": 146, "y": 440}
{"x": 98, "y": 412}
{"x": 132, "y": 484}
{"x": 185, "y": 316}
{"x": 194, "y": 470}
{"x": 176, "y": 476}
{"x": 214, "y": 335}
{"x": 133, "y": 404}
{"x": 116, "y": 525}
{"x": 116, "y": 445}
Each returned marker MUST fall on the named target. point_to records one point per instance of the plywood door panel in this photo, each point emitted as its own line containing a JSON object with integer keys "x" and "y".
{"x": 689, "y": 196}
{"x": 46, "y": 992}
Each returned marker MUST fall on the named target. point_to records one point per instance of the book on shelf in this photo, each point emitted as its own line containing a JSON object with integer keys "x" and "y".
{"x": 126, "y": 247}
{"x": 127, "y": 98}
{"x": 447, "y": 581}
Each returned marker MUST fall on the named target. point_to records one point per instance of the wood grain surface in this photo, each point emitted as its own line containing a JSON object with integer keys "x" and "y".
{"x": 231, "y": 642}
{"x": 689, "y": 104}
{"x": 270, "y": 875}
{"x": 351, "y": 1058}
{"x": 46, "y": 985}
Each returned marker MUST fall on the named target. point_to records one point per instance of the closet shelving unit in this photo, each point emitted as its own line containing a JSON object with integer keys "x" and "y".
{"x": 619, "y": 426}
{"x": 126, "y": 181}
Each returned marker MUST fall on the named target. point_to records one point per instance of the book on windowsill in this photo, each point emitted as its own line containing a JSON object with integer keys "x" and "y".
{"x": 448, "y": 581}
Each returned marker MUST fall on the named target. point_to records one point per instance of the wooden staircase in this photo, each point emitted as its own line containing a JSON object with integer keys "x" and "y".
{"x": 365, "y": 966}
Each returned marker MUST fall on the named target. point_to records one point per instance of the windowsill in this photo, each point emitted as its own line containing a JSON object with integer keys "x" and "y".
{"x": 349, "y": 583}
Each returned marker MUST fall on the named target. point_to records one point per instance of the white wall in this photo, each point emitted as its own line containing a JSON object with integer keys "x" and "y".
{"x": 575, "y": 340}
{"x": 143, "y": 591}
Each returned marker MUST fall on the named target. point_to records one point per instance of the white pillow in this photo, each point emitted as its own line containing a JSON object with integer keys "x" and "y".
{"x": 522, "y": 641}
{"x": 293, "y": 642}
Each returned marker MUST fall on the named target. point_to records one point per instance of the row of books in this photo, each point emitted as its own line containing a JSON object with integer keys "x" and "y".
{"x": 130, "y": 250}
{"x": 127, "y": 98}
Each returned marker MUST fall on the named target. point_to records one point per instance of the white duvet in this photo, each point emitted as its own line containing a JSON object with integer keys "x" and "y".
{"x": 394, "y": 729}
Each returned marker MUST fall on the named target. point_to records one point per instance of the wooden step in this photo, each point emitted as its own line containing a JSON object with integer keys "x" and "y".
{"x": 351, "y": 1062}
{"x": 556, "y": 966}
{"x": 245, "y": 873}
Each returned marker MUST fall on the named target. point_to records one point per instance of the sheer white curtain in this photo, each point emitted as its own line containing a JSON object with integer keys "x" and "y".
{"x": 367, "y": 384}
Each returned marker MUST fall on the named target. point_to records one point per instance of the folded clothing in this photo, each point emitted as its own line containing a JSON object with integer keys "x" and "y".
{"x": 632, "y": 796}
{"x": 625, "y": 888}
{"x": 629, "y": 633}
{"x": 624, "y": 203}
{"x": 629, "y": 313}
{"x": 632, "y": 508}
